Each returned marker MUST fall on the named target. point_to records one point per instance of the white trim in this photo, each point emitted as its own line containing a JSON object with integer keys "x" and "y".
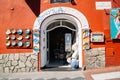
{"x": 60, "y": 26}
{"x": 47, "y": 17}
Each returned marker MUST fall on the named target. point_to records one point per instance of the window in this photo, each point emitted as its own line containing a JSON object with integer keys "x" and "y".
{"x": 60, "y": 1}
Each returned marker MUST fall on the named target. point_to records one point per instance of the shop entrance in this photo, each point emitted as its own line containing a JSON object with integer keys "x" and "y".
{"x": 56, "y": 54}
{"x": 42, "y": 26}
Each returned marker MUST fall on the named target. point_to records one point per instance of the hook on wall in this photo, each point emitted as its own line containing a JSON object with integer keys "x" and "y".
{"x": 107, "y": 11}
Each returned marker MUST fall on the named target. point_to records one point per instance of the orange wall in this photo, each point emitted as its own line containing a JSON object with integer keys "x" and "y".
{"x": 15, "y": 14}
{"x": 99, "y": 21}
{"x": 22, "y": 14}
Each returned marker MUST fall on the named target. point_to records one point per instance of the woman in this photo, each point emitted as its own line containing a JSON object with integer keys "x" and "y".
{"x": 75, "y": 61}
{"x": 117, "y": 22}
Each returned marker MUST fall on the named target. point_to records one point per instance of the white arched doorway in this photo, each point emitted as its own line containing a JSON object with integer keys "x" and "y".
{"x": 49, "y": 16}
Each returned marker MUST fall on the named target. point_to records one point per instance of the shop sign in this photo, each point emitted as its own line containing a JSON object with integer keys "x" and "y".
{"x": 115, "y": 23}
{"x": 49, "y": 12}
{"x": 103, "y": 5}
{"x": 68, "y": 42}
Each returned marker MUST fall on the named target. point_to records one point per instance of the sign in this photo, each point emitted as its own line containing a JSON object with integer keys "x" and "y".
{"x": 68, "y": 42}
{"x": 103, "y": 5}
{"x": 115, "y": 23}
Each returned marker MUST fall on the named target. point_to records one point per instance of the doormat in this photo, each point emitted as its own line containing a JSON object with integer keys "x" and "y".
{"x": 59, "y": 69}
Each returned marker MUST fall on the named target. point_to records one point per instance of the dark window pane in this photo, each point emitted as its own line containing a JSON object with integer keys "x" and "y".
{"x": 60, "y": 1}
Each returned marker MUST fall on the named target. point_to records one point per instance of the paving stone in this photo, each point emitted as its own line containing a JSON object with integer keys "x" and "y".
{"x": 15, "y": 79}
{"x": 66, "y": 79}
{"x": 79, "y": 78}
{"x": 39, "y": 79}
{"x": 52, "y": 79}
{"x": 26, "y": 79}
{"x": 4, "y": 79}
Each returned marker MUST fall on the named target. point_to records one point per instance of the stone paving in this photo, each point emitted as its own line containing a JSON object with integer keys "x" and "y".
{"x": 45, "y": 75}
{"x": 108, "y": 73}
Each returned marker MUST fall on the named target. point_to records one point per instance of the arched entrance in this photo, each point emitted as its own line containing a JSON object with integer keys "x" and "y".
{"x": 57, "y": 45}
{"x": 50, "y": 16}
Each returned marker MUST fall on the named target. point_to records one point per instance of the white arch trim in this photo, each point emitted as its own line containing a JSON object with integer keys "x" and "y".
{"x": 48, "y": 15}
{"x": 57, "y": 10}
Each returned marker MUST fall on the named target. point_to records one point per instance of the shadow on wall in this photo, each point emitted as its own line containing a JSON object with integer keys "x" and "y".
{"x": 34, "y": 6}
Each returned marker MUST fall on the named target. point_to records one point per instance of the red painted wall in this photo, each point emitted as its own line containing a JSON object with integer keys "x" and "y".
{"x": 22, "y": 14}
{"x": 15, "y": 14}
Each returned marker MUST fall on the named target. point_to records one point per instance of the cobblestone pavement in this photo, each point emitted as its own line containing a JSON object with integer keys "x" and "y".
{"x": 45, "y": 75}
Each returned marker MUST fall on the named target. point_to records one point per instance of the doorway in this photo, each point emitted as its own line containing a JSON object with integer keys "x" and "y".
{"x": 56, "y": 54}
{"x": 56, "y": 46}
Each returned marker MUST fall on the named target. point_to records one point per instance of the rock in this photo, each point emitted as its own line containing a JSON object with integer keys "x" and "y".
{"x": 16, "y": 56}
{"x": 14, "y": 63}
{"x": 1, "y": 56}
{"x": 35, "y": 64}
{"x": 36, "y": 69}
{"x": 1, "y": 69}
{"x": 1, "y": 65}
{"x": 34, "y": 57}
{"x": 32, "y": 61}
{"x": 23, "y": 58}
{"x": 21, "y": 64}
{"x": 2, "y": 61}
{"x": 15, "y": 70}
{"x": 27, "y": 69}
{"x": 29, "y": 59}
{"x": 28, "y": 64}
{"x": 11, "y": 57}
{"x": 6, "y": 69}
{"x": 26, "y": 54}
{"x": 8, "y": 64}
{"x": 17, "y": 66}
{"x": 19, "y": 70}
{"x": 6, "y": 58}
{"x": 95, "y": 58}
{"x": 12, "y": 67}
{"x": 23, "y": 70}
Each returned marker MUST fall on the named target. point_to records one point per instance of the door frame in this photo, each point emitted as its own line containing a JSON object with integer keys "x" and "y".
{"x": 46, "y": 17}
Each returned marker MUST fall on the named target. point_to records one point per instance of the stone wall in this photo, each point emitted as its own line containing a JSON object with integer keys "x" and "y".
{"x": 95, "y": 58}
{"x": 19, "y": 62}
